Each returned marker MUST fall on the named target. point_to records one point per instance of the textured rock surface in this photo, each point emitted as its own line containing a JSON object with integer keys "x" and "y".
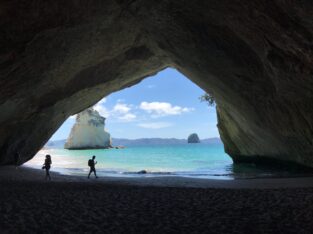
{"x": 254, "y": 56}
{"x": 193, "y": 138}
{"x": 88, "y": 132}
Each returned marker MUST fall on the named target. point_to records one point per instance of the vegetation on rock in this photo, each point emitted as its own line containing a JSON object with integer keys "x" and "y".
{"x": 208, "y": 98}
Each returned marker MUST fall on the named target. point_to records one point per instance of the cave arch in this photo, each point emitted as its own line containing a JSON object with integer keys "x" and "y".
{"x": 255, "y": 57}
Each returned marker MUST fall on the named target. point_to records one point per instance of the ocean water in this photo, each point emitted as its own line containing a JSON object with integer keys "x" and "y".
{"x": 188, "y": 160}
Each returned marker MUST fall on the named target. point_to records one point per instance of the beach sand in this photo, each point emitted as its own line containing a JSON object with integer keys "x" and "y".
{"x": 73, "y": 204}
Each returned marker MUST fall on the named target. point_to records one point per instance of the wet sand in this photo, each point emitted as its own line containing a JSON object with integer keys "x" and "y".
{"x": 70, "y": 204}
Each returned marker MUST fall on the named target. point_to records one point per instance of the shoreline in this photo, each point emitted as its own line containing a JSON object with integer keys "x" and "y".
{"x": 115, "y": 165}
{"x": 23, "y": 173}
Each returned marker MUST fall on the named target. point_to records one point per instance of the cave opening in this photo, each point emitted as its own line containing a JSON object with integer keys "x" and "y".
{"x": 152, "y": 120}
{"x": 149, "y": 124}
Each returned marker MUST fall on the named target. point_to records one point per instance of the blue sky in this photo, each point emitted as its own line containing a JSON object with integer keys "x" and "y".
{"x": 165, "y": 105}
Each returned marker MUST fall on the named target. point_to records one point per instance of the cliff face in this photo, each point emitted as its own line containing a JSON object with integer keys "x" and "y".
{"x": 255, "y": 57}
{"x": 88, "y": 132}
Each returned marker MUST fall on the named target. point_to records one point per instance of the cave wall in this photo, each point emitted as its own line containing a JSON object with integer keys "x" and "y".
{"x": 255, "y": 57}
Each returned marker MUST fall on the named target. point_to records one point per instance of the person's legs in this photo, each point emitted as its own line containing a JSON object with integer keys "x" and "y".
{"x": 89, "y": 172}
{"x": 48, "y": 173}
{"x": 94, "y": 171}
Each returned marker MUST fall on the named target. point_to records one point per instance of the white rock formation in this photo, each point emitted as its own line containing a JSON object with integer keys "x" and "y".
{"x": 88, "y": 132}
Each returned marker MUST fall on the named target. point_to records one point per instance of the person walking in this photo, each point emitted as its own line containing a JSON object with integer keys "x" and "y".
{"x": 92, "y": 163}
{"x": 47, "y": 166}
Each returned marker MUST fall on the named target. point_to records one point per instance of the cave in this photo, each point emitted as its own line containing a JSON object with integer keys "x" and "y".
{"x": 255, "y": 57}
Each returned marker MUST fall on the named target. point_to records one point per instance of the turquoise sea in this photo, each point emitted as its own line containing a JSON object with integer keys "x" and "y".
{"x": 188, "y": 160}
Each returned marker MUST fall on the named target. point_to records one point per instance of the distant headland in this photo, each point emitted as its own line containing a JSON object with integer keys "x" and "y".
{"x": 141, "y": 142}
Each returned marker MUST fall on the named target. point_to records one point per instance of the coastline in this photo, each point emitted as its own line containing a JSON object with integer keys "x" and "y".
{"x": 170, "y": 161}
{"x": 22, "y": 173}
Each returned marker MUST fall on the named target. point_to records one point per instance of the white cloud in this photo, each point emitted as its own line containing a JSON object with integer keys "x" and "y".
{"x": 121, "y": 108}
{"x": 72, "y": 117}
{"x": 127, "y": 117}
{"x": 155, "y": 125}
{"x": 151, "y": 86}
{"x": 102, "y": 101}
{"x": 120, "y": 112}
{"x": 102, "y": 110}
{"x": 158, "y": 109}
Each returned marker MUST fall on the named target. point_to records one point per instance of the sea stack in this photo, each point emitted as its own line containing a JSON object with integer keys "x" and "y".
{"x": 88, "y": 132}
{"x": 193, "y": 138}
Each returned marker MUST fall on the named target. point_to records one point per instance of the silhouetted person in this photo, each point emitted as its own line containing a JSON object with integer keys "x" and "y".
{"x": 91, "y": 164}
{"x": 47, "y": 166}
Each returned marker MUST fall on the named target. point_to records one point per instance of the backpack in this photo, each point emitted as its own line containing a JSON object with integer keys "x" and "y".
{"x": 89, "y": 162}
